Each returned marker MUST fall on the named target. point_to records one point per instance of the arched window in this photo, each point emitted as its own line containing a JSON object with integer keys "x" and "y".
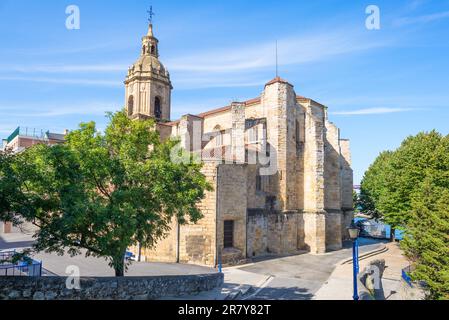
{"x": 157, "y": 108}
{"x": 130, "y": 105}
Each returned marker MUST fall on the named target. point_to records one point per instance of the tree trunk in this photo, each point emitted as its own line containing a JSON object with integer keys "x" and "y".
{"x": 139, "y": 258}
{"x": 119, "y": 266}
{"x": 119, "y": 272}
{"x": 392, "y": 235}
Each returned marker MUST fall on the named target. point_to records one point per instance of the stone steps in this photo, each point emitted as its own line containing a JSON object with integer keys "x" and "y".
{"x": 237, "y": 293}
{"x": 367, "y": 255}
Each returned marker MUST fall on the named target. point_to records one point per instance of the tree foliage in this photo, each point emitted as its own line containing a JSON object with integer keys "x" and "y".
{"x": 101, "y": 192}
{"x": 409, "y": 189}
{"x": 373, "y": 187}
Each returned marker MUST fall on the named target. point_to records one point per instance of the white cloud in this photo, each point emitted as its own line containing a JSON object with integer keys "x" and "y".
{"x": 370, "y": 111}
{"x": 61, "y": 109}
{"x": 248, "y": 65}
{"x": 237, "y": 66}
{"x": 74, "y": 81}
{"x": 414, "y": 4}
{"x": 67, "y": 68}
{"x": 422, "y": 19}
{"x": 291, "y": 50}
{"x": 68, "y": 48}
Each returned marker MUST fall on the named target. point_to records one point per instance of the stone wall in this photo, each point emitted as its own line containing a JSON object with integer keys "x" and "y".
{"x": 192, "y": 243}
{"x": 238, "y": 131}
{"x": 314, "y": 230}
{"x": 271, "y": 232}
{"x": 332, "y": 166}
{"x": 231, "y": 205}
{"x": 346, "y": 186}
{"x": 126, "y": 288}
{"x": 310, "y": 189}
{"x": 257, "y": 231}
{"x": 282, "y": 233}
{"x": 334, "y": 231}
{"x": 198, "y": 241}
{"x": 279, "y": 100}
{"x": 314, "y": 159}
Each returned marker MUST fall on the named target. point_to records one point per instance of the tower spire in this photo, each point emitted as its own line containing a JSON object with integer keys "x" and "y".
{"x": 150, "y": 31}
{"x": 150, "y": 42}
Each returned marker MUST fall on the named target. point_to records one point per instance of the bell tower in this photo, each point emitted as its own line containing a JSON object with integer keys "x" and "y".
{"x": 147, "y": 85}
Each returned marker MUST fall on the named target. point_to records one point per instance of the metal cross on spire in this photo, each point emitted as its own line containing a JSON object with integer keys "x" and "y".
{"x": 151, "y": 14}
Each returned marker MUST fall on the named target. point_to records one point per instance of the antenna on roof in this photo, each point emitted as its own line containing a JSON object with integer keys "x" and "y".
{"x": 277, "y": 65}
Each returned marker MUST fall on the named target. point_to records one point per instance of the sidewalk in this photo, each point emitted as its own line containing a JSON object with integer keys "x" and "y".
{"x": 339, "y": 286}
{"x": 236, "y": 283}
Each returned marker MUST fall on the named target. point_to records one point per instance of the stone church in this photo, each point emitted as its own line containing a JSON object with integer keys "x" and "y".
{"x": 281, "y": 173}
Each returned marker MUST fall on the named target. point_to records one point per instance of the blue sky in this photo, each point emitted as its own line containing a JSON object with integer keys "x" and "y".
{"x": 380, "y": 85}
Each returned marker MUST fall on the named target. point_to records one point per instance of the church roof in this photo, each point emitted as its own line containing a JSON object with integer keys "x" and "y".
{"x": 218, "y": 110}
{"x": 276, "y": 80}
{"x": 247, "y": 103}
{"x": 149, "y": 63}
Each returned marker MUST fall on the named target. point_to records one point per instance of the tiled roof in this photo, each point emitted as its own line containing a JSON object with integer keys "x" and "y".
{"x": 247, "y": 103}
{"x": 278, "y": 79}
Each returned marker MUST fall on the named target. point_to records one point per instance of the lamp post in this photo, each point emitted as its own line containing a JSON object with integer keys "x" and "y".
{"x": 354, "y": 234}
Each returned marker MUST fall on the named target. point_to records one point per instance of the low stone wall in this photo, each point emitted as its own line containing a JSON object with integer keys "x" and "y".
{"x": 108, "y": 288}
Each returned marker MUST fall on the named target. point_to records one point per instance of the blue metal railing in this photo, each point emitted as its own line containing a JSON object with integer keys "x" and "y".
{"x": 21, "y": 268}
{"x": 406, "y": 277}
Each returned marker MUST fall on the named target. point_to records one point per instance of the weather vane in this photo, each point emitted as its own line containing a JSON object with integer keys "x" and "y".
{"x": 151, "y": 14}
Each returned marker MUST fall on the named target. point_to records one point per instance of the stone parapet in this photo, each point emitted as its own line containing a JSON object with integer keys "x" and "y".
{"x": 107, "y": 288}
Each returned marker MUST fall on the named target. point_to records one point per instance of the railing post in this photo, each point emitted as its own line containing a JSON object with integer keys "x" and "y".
{"x": 355, "y": 268}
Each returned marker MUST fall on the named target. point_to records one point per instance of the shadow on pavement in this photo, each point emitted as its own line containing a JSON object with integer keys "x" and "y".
{"x": 283, "y": 293}
{"x": 363, "y": 242}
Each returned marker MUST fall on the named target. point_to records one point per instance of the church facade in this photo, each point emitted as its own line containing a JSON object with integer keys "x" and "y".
{"x": 281, "y": 173}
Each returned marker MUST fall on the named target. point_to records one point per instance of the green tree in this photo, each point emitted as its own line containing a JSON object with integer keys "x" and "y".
{"x": 101, "y": 192}
{"x": 373, "y": 186}
{"x": 426, "y": 242}
{"x": 405, "y": 173}
{"x": 390, "y": 182}
{"x": 409, "y": 189}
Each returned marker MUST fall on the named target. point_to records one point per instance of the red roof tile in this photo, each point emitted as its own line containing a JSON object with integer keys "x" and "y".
{"x": 277, "y": 79}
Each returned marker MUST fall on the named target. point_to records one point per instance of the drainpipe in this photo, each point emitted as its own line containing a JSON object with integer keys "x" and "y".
{"x": 178, "y": 240}
{"x": 216, "y": 221}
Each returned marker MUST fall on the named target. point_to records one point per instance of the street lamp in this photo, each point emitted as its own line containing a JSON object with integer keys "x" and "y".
{"x": 353, "y": 235}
